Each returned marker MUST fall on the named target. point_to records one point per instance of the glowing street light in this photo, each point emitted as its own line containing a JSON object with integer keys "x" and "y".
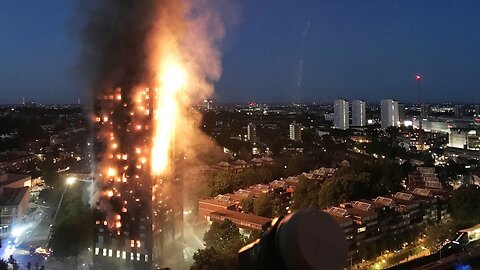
{"x": 71, "y": 180}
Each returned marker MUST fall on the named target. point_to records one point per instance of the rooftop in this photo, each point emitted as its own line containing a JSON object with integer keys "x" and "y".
{"x": 13, "y": 196}
{"x": 239, "y": 216}
{"x": 9, "y": 178}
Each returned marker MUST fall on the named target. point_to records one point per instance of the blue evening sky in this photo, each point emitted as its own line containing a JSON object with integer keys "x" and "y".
{"x": 369, "y": 49}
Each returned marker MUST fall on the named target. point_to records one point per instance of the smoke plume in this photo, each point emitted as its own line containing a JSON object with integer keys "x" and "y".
{"x": 161, "y": 46}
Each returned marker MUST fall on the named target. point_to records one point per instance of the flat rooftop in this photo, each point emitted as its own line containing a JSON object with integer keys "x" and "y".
{"x": 239, "y": 216}
{"x": 213, "y": 201}
{"x": 12, "y": 196}
{"x": 9, "y": 178}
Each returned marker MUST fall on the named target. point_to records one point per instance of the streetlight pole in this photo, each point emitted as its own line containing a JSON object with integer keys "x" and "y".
{"x": 70, "y": 181}
{"x": 56, "y": 211}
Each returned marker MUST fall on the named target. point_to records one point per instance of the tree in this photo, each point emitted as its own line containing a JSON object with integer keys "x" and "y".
{"x": 222, "y": 242}
{"x": 224, "y": 237}
{"x": 464, "y": 203}
{"x": 279, "y": 205}
{"x": 344, "y": 187}
{"x": 209, "y": 259}
{"x": 436, "y": 235}
{"x": 71, "y": 236}
{"x": 247, "y": 205}
{"x": 73, "y": 231}
{"x": 262, "y": 206}
{"x": 3, "y": 265}
{"x": 306, "y": 193}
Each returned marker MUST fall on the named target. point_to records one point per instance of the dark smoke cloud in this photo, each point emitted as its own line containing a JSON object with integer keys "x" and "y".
{"x": 115, "y": 36}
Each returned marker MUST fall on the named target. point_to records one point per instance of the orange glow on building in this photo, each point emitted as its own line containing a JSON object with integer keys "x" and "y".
{"x": 171, "y": 80}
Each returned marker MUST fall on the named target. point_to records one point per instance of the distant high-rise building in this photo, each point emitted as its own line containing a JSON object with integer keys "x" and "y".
{"x": 389, "y": 113}
{"x": 295, "y": 131}
{"x": 477, "y": 110}
{"x": 358, "y": 113}
{"x": 425, "y": 110}
{"x": 459, "y": 110}
{"x": 341, "y": 119}
{"x": 401, "y": 113}
{"x": 251, "y": 132}
{"x": 207, "y": 104}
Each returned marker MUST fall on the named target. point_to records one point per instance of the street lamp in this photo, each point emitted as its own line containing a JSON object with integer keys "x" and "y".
{"x": 71, "y": 180}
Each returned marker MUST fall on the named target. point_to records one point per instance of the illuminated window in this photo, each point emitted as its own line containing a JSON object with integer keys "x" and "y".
{"x": 118, "y": 253}
{"x": 138, "y": 256}
{"x": 362, "y": 229}
{"x": 124, "y": 255}
{"x": 104, "y": 252}
{"x": 146, "y": 257}
{"x": 97, "y": 250}
{"x": 110, "y": 253}
{"x": 131, "y": 256}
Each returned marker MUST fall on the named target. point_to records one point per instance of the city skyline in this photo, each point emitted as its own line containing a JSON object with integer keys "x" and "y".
{"x": 370, "y": 54}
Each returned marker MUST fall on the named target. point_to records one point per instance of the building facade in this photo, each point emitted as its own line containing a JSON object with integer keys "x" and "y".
{"x": 252, "y": 132}
{"x": 138, "y": 215}
{"x": 14, "y": 199}
{"x": 295, "y": 131}
{"x": 358, "y": 113}
{"x": 389, "y": 113}
{"x": 464, "y": 138}
{"x": 341, "y": 114}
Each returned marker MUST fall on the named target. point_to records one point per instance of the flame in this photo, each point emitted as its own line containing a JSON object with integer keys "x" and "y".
{"x": 139, "y": 124}
{"x": 173, "y": 80}
{"x": 111, "y": 172}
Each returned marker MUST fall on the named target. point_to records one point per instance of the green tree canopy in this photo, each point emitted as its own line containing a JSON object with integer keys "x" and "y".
{"x": 306, "y": 193}
{"x": 465, "y": 205}
{"x": 223, "y": 241}
{"x": 344, "y": 187}
{"x": 73, "y": 231}
{"x": 262, "y": 206}
{"x": 247, "y": 205}
{"x": 224, "y": 237}
{"x": 209, "y": 259}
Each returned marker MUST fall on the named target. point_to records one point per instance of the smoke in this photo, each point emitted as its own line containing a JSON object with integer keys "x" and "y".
{"x": 130, "y": 46}
{"x": 301, "y": 62}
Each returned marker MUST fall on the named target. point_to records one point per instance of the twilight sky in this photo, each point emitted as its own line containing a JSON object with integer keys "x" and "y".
{"x": 369, "y": 49}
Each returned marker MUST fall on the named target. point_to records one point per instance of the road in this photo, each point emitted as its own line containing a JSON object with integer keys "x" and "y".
{"x": 26, "y": 237}
{"x": 449, "y": 261}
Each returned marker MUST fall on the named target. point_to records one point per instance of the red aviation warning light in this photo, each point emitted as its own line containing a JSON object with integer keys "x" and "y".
{"x": 418, "y": 77}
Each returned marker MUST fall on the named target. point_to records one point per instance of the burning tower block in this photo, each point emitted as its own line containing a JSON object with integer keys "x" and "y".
{"x": 138, "y": 214}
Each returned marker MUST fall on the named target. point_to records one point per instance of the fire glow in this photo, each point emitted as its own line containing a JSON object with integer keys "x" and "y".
{"x": 145, "y": 108}
{"x": 172, "y": 82}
